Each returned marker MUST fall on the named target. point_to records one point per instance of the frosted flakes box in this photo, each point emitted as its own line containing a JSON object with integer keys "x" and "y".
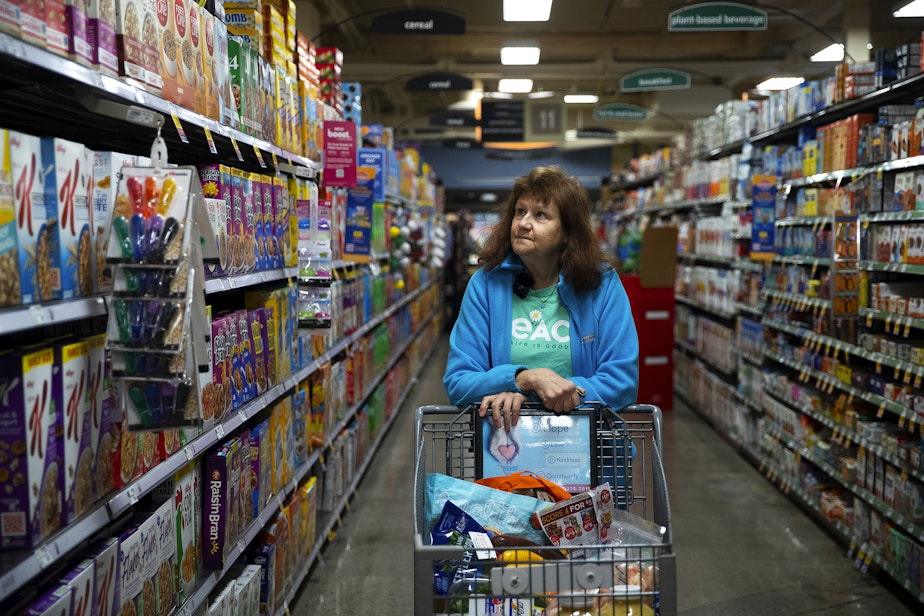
{"x": 71, "y": 375}
{"x": 68, "y": 185}
{"x": 10, "y": 293}
{"x": 105, "y": 555}
{"x": 36, "y": 221}
{"x": 147, "y": 561}
{"x": 101, "y": 35}
{"x": 31, "y": 464}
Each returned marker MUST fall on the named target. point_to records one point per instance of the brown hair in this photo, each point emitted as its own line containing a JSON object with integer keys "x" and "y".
{"x": 582, "y": 256}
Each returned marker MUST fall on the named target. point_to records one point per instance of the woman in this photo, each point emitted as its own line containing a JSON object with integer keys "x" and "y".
{"x": 546, "y": 315}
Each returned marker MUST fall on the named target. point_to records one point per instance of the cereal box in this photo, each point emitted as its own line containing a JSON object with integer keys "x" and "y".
{"x": 147, "y": 561}
{"x": 237, "y": 242}
{"x": 216, "y": 185}
{"x": 129, "y": 17}
{"x": 197, "y": 41}
{"x": 101, "y": 35}
{"x": 30, "y": 455}
{"x": 238, "y": 62}
{"x": 248, "y": 365}
{"x": 227, "y": 108}
{"x": 71, "y": 375}
{"x": 106, "y": 169}
{"x": 176, "y": 69}
{"x": 10, "y": 293}
{"x": 37, "y": 231}
{"x": 244, "y": 489}
{"x": 281, "y": 220}
{"x": 220, "y": 507}
{"x": 261, "y": 462}
{"x": 310, "y": 507}
{"x": 155, "y": 15}
{"x": 78, "y": 41}
{"x": 105, "y": 555}
{"x": 127, "y": 461}
{"x": 265, "y": 557}
{"x": 32, "y": 21}
{"x": 55, "y": 602}
{"x": 68, "y": 185}
{"x": 248, "y": 222}
{"x": 56, "y": 26}
{"x": 255, "y": 221}
{"x": 80, "y": 580}
{"x": 186, "y": 499}
{"x": 102, "y": 442}
{"x": 277, "y": 532}
{"x": 9, "y": 17}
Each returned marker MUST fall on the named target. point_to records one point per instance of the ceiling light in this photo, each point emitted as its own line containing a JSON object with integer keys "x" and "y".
{"x": 527, "y": 10}
{"x": 519, "y": 55}
{"x": 498, "y": 95}
{"x": 515, "y": 86}
{"x": 912, "y": 9}
{"x": 778, "y": 83}
{"x": 542, "y": 94}
{"x": 832, "y": 53}
{"x": 581, "y": 98}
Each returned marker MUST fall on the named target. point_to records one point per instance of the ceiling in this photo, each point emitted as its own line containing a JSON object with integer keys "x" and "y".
{"x": 586, "y": 46}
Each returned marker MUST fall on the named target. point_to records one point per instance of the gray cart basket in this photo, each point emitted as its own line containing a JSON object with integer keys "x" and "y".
{"x": 608, "y": 581}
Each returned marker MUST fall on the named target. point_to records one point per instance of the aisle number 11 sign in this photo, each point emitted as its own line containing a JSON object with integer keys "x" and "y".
{"x": 545, "y": 121}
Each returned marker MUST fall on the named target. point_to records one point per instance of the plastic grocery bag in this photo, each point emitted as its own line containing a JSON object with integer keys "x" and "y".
{"x": 496, "y": 510}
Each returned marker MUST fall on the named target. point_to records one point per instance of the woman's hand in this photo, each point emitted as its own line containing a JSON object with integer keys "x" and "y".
{"x": 504, "y": 407}
{"x": 555, "y": 392}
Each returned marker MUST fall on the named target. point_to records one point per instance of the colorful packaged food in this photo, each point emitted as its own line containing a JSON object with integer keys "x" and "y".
{"x": 70, "y": 392}
{"x": 31, "y": 458}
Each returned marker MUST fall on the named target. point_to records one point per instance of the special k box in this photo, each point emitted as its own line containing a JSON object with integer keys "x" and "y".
{"x": 102, "y": 441}
{"x": 31, "y": 466}
{"x": 69, "y": 185}
{"x": 71, "y": 395}
{"x": 105, "y": 555}
{"x": 80, "y": 579}
{"x": 39, "y": 274}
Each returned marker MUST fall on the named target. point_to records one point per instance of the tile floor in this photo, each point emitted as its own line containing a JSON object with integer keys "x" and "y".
{"x": 742, "y": 547}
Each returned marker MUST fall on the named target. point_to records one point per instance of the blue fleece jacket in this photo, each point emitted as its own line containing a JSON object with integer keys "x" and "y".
{"x": 604, "y": 343}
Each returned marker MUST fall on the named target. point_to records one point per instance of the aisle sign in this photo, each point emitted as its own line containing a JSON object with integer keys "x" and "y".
{"x": 501, "y": 121}
{"x": 652, "y": 79}
{"x": 764, "y": 208}
{"x": 418, "y": 21}
{"x": 339, "y": 154}
{"x": 439, "y": 82}
{"x": 711, "y": 16}
{"x": 545, "y": 121}
{"x": 621, "y": 112}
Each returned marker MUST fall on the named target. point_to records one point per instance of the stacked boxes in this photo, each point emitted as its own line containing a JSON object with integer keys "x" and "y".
{"x": 245, "y": 20}
{"x": 352, "y": 94}
{"x": 306, "y": 60}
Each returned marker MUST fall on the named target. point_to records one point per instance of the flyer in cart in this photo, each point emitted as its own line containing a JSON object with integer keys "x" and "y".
{"x": 581, "y": 520}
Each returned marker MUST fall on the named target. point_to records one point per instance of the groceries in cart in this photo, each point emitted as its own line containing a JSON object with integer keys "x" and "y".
{"x": 583, "y": 527}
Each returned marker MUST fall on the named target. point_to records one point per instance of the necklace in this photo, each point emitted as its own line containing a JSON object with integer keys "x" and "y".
{"x": 535, "y": 315}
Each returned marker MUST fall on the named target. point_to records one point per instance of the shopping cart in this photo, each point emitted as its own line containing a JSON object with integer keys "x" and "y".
{"x": 635, "y": 578}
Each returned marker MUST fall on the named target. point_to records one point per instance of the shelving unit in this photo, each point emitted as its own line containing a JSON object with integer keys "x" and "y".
{"x": 820, "y": 365}
{"x": 49, "y": 94}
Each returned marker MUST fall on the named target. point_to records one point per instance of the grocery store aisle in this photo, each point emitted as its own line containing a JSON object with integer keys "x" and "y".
{"x": 742, "y": 547}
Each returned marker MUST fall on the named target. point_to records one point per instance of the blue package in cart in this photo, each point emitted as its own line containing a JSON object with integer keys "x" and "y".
{"x": 454, "y": 527}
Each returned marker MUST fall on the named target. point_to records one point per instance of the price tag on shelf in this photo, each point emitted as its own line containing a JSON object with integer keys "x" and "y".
{"x": 850, "y": 399}
{"x": 869, "y": 320}
{"x": 888, "y": 323}
{"x": 209, "y": 140}
{"x": 918, "y": 376}
{"x": 43, "y": 556}
{"x": 259, "y": 154}
{"x": 881, "y": 411}
{"x": 220, "y": 431}
{"x": 828, "y": 348}
{"x": 179, "y": 126}
{"x": 237, "y": 148}
{"x": 904, "y": 474}
{"x": 275, "y": 160}
{"x": 133, "y": 493}
{"x": 897, "y": 373}
{"x": 878, "y": 366}
{"x": 190, "y": 453}
{"x": 852, "y": 549}
{"x": 898, "y": 326}
{"x": 901, "y": 420}
{"x": 242, "y": 415}
{"x": 763, "y": 465}
{"x": 907, "y": 379}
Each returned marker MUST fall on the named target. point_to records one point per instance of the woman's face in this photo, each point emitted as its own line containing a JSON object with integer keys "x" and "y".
{"x": 536, "y": 232}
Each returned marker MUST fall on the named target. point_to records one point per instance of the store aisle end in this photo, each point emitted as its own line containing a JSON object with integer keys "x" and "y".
{"x": 742, "y": 547}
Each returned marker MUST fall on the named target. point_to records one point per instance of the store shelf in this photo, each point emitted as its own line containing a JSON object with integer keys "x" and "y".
{"x": 748, "y": 402}
{"x": 239, "y": 281}
{"x": 706, "y": 259}
{"x": 801, "y": 221}
{"x": 749, "y": 310}
{"x": 803, "y": 260}
{"x": 59, "y": 546}
{"x": 757, "y": 360}
{"x": 821, "y": 178}
{"x": 24, "y": 318}
{"x": 797, "y": 299}
{"x": 276, "y": 502}
{"x": 748, "y": 266}
{"x": 893, "y": 216}
{"x": 892, "y": 320}
{"x": 28, "y": 58}
{"x": 728, "y": 374}
{"x": 897, "y": 268}
{"x": 912, "y": 162}
{"x": 723, "y": 314}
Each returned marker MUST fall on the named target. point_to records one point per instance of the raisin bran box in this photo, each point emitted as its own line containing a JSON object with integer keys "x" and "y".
{"x": 31, "y": 458}
{"x": 220, "y": 507}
